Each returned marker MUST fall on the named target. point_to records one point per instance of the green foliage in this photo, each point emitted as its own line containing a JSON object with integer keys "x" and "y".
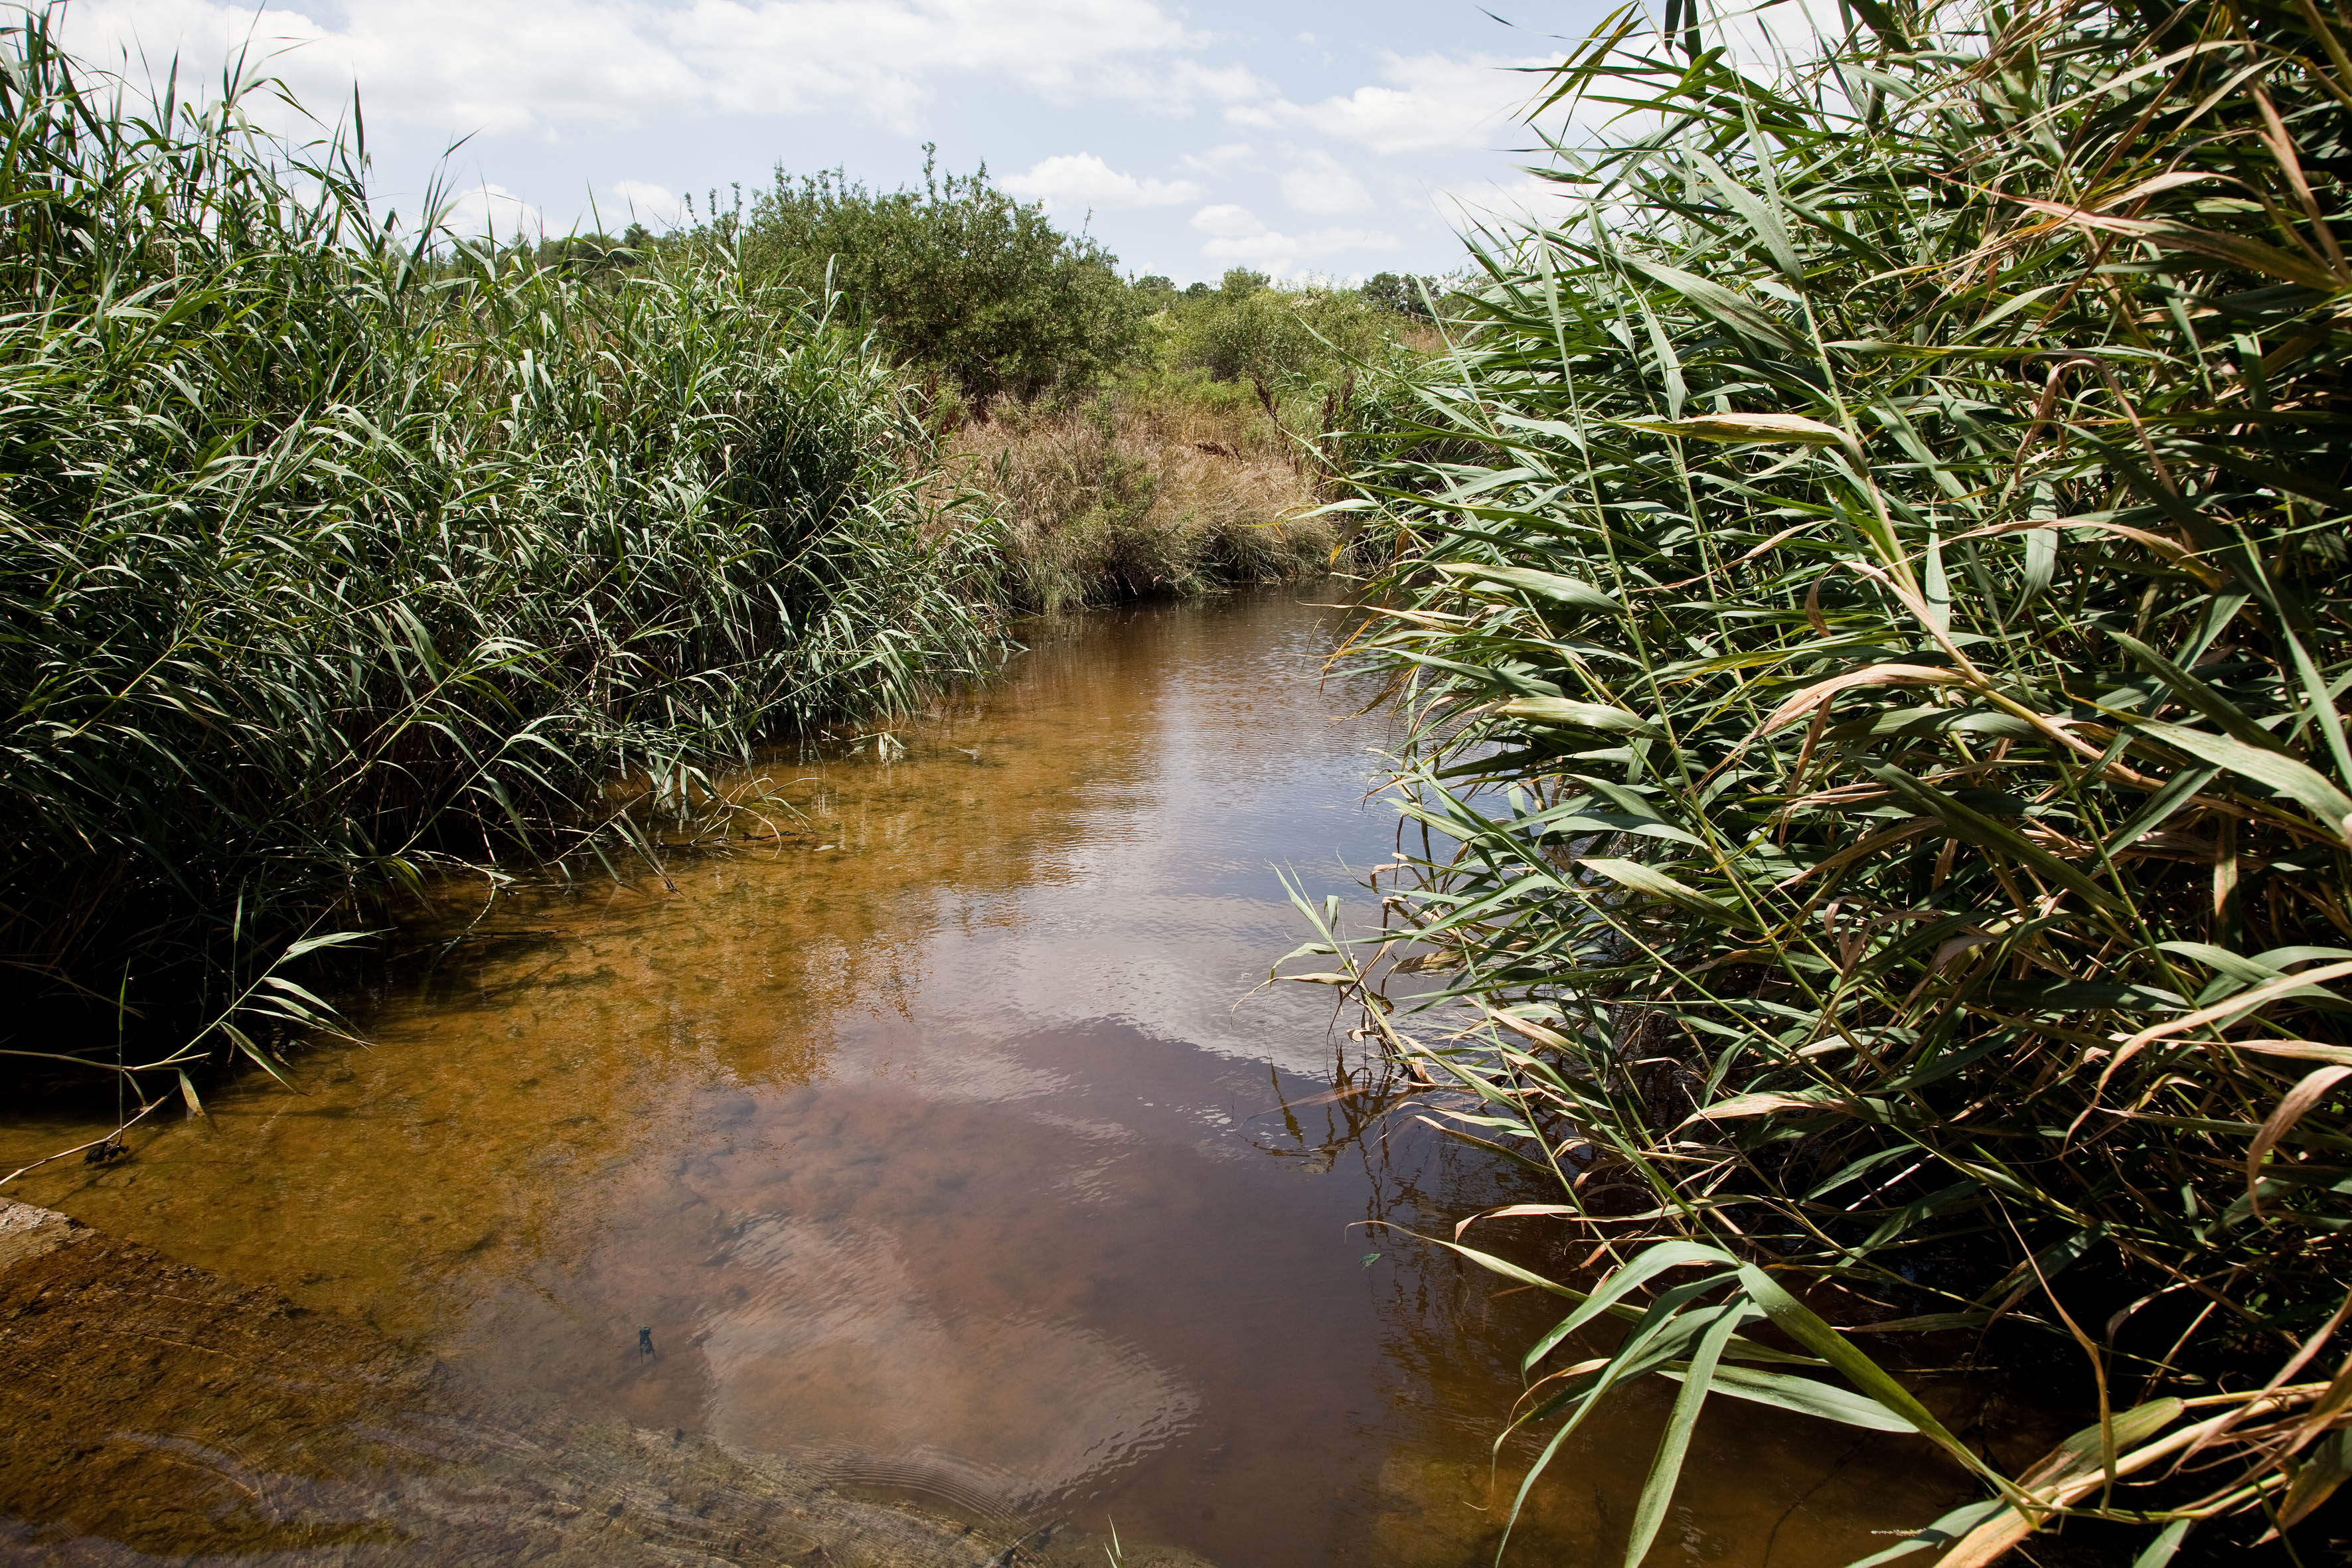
{"x": 1402, "y": 295}
{"x": 957, "y": 279}
{"x": 1277, "y": 340}
{"x": 1869, "y": 597}
{"x": 325, "y": 557}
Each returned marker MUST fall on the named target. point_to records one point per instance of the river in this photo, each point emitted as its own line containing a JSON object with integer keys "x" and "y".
{"x": 949, "y": 1141}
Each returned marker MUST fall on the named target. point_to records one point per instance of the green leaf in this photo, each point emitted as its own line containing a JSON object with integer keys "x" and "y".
{"x": 1737, "y": 312}
{"x": 1769, "y": 231}
{"x": 1666, "y": 1464}
{"x": 2167, "y": 1541}
{"x": 1807, "y": 1396}
{"x": 2177, "y": 793}
{"x": 1989, "y": 833}
{"x": 1640, "y": 878}
{"x": 1801, "y": 1323}
{"x": 1547, "y": 584}
{"x": 2274, "y": 771}
{"x": 1567, "y": 715}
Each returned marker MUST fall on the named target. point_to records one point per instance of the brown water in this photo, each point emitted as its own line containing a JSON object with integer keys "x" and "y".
{"x": 941, "y": 1142}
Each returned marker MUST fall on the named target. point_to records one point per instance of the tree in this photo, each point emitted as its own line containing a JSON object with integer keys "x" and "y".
{"x": 1400, "y": 294}
{"x": 1248, "y": 329}
{"x": 958, "y": 277}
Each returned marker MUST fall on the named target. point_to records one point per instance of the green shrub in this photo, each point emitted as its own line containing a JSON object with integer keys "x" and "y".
{"x": 1273, "y": 339}
{"x": 957, "y": 279}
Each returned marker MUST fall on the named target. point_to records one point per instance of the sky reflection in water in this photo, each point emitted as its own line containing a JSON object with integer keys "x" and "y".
{"x": 962, "y": 1157}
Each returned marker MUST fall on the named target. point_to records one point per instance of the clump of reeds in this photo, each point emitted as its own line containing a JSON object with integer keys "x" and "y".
{"x": 1871, "y": 598}
{"x": 1165, "y": 490}
{"x": 326, "y": 552}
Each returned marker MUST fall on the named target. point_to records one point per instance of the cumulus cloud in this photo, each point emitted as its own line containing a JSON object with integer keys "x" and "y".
{"x": 1322, "y": 184}
{"x": 450, "y": 64}
{"x": 495, "y": 211}
{"x": 653, "y": 205}
{"x": 1213, "y": 159}
{"x": 770, "y": 55}
{"x": 1079, "y": 181}
{"x": 1237, "y": 235}
{"x": 1433, "y": 103}
{"x": 502, "y": 65}
{"x": 1225, "y": 221}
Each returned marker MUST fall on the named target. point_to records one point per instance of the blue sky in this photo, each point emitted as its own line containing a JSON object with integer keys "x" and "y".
{"x": 1333, "y": 139}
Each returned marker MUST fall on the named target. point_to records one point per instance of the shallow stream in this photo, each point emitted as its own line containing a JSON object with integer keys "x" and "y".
{"x": 942, "y": 1141}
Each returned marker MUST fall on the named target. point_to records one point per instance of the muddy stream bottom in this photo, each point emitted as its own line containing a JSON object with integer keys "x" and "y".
{"x": 941, "y": 1148}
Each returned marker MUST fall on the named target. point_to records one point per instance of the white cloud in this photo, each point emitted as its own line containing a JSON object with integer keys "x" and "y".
{"x": 1074, "y": 182}
{"x": 502, "y": 65}
{"x": 653, "y": 205}
{"x": 1227, "y": 221}
{"x": 1216, "y": 158}
{"x": 780, "y": 55}
{"x": 1437, "y": 103}
{"x": 1322, "y": 184}
{"x": 456, "y": 65}
{"x": 1227, "y": 84}
{"x": 1237, "y": 233}
{"x": 495, "y": 211}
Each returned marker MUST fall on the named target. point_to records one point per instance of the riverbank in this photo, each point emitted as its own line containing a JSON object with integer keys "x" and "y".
{"x": 1157, "y": 487}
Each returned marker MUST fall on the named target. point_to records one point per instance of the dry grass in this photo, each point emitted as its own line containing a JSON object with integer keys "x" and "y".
{"x": 1134, "y": 495}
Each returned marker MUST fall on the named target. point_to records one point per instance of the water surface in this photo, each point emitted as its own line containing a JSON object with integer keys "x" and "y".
{"x": 949, "y": 1139}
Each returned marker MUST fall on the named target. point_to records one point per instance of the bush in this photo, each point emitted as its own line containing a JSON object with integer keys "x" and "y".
{"x": 1276, "y": 340}
{"x": 1869, "y": 594}
{"x": 324, "y": 558}
{"x": 957, "y": 279}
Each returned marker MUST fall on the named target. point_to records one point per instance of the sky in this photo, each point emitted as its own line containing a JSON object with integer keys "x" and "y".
{"x": 1331, "y": 140}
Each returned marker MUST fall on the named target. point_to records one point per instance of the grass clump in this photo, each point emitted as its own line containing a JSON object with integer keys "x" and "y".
{"x": 329, "y": 553}
{"x": 1869, "y": 594}
{"x": 1167, "y": 486}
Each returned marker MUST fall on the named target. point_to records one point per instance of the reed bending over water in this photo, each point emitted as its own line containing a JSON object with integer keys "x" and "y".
{"x": 1869, "y": 593}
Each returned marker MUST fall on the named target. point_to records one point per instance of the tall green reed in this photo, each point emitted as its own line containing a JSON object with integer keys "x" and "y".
{"x": 1869, "y": 589}
{"x": 331, "y": 552}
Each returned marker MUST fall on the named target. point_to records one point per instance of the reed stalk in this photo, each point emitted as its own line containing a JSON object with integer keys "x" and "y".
{"x": 1869, "y": 589}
